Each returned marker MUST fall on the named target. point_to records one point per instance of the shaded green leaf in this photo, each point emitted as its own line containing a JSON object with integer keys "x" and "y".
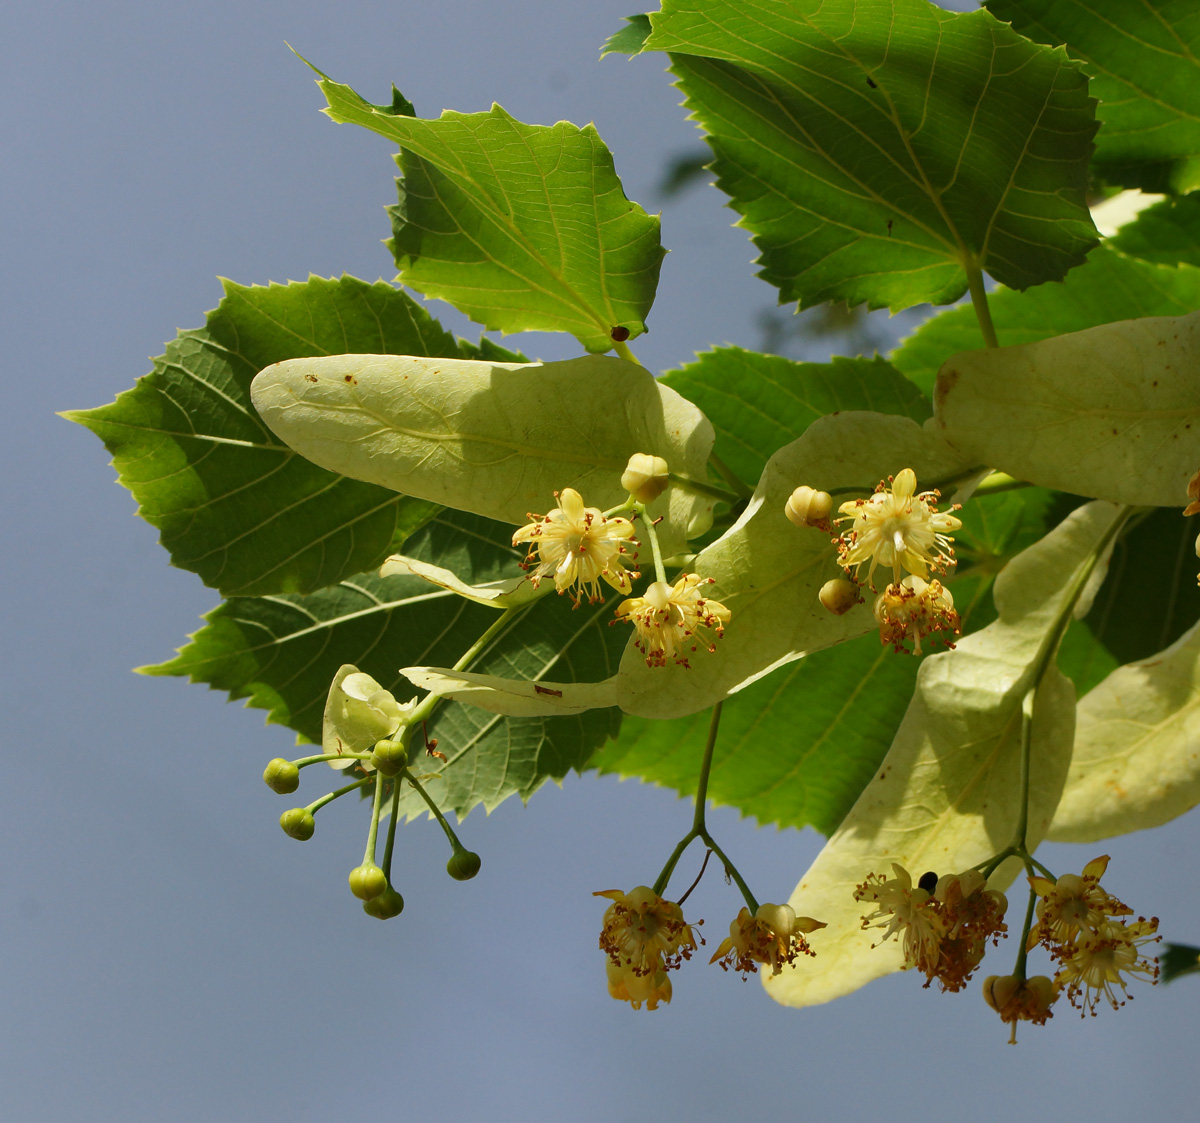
{"x": 1111, "y": 412}
{"x": 1143, "y": 60}
{"x": 232, "y": 502}
{"x": 629, "y": 39}
{"x": 877, "y": 149}
{"x": 496, "y": 439}
{"x": 765, "y": 401}
{"x": 797, "y": 747}
{"x": 948, "y": 794}
{"x": 1109, "y": 287}
{"x": 521, "y": 227}
{"x": 1167, "y": 233}
{"x": 281, "y": 653}
{"x": 1178, "y": 959}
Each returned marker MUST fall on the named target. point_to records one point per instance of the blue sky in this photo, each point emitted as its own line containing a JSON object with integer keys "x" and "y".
{"x": 167, "y": 953}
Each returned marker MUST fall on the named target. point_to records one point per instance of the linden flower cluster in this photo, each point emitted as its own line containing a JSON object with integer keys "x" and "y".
{"x": 673, "y": 620}
{"x": 774, "y": 935}
{"x": 945, "y": 922}
{"x": 644, "y": 937}
{"x": 896, "y": 527}
{"x": 579, "y": 546}
{"x": 1085, "y": 930}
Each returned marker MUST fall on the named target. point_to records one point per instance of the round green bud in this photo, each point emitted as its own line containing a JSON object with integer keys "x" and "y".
{"x": 298, "y": 823}
{"x": 463, "y": 865}
{"x": 390, "y": 757}
{"x": 389, "y": 903}
{"x": 281, "y": 776}
{"x": 367, "y": 881}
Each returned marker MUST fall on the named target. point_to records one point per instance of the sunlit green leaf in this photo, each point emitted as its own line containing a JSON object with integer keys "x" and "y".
{"x": 948, "y": 793}
{"x": 498, "y": 439}
{"x": 1109, "y": 287}
{"x": 1112, "y": 412}
{"x": 1143, "y": 59}
{"x": 877, "y": 149}
{"x": 1137, "y": 748}
{"x": 522, "y": 227}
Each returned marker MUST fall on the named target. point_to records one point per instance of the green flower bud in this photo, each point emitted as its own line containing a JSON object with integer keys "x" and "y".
{"x": 281, "y": 776}
{"x": 645, "y": 477}
{"x": 463, "y": 865}
{"x": 809, "y": 507}
{"x": 298, "y": 823}
{"x": 389, "y": 903}
{"x": 390, "y": 757}
{"x": 367, "y": 881}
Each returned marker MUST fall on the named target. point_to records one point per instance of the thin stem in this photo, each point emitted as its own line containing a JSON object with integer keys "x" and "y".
{"x": 373, "y": 830}
{"x": 703, "y": 867}
{"x": 437, "y": 813}
{"x": 623, "y": 350}
{"x": 660, "y": 571}
{"x": 317, "y": 804}
{"x": 304, "y": 762}
{"x": 393, "y": 812}
{"x": 732, "y": 870}
{"x": 705, "y": 768}
{"x": 688, "y": 483}
{"x": 980, "y": 303}
{"x": 727, "y": 474}
{"x": 1023, "y": 950}
{"x": 1026, "y": 741}
{"x": 998, "y": 482}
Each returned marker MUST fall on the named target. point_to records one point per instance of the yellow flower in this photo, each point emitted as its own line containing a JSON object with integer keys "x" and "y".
{"x": 914, "y": 608}
{"x": 1072, "y": 905}
{"x": 774, "y": 935}
{"x": 1016, "y": 999}
{"x": 899, "y": 528}
{"x": 947, "y": 922}
{"x": 579, "y": 546}
{"x": 644, "y": 937}
{"x": 1100, "y": 960}
{"x": 673, "y": 621}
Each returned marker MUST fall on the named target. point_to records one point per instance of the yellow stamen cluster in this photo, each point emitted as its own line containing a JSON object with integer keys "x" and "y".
{"x": 1085, "y": 930}
{"x": 644, "y": 937}
{"x": 579, "y": 546}
{"x": 774, "y": 935}
{"x": 946, "y": 922}
{"x": 672, "y": 621}
{"x": 912, "y": 609}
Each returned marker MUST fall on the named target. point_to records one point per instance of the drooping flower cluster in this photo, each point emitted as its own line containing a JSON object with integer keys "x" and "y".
{"x": 672, "y": 621}
{"x": 946, "y": 922}
{"x": 644, "y": 937}
{"x": 913, "y": 608}
{"x": 579, "y": 546}
{"x": 1020, "y": 1000}
{"x": 1086, "y": 932}
{"x": 774, "y": 935}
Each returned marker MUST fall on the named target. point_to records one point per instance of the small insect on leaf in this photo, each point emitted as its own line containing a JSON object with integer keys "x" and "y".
{"x": 871, "y": 83}
{"x": 619, "y": 334}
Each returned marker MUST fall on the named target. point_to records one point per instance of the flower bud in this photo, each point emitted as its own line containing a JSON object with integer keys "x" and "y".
{"x": 839, "y": 595}
{"x": 645, "y": 477}
{"x": 390, "y": 757}
{"x": 809, "y": 507}
{"x": 389, "y": 903}
{"x": 367, "y": 881}
{"x": 298, "y": 823}
{"x": 463, "y": 865}
{"x": 281, "y": 776}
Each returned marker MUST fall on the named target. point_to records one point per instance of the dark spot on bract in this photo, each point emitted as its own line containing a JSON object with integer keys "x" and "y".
{"x": 928, "y": 881}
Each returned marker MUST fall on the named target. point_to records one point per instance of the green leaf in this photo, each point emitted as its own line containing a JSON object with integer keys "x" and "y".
{"x": 232, "y": 502}
{"x": 878, "y": 150}
{"x": 630, "y": 38}
{"x": 797, "y": 747}
{"x": 498, "y": 439}
{"x": 1167, "y": 233}
{"x": 1143, "y": 59}
{"x": 763, "y": 402}
{"x": 1112, "y": 412}
{"x": 1109, "y": 287}
{"x": 948, "y": 794}
{"x": 1178, "y": 959}
{"x": 521, "y": 227}
{"x": 1136, "y": 763}
{"x": 282, "y": 652}
{"x": 769, "y": 572}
